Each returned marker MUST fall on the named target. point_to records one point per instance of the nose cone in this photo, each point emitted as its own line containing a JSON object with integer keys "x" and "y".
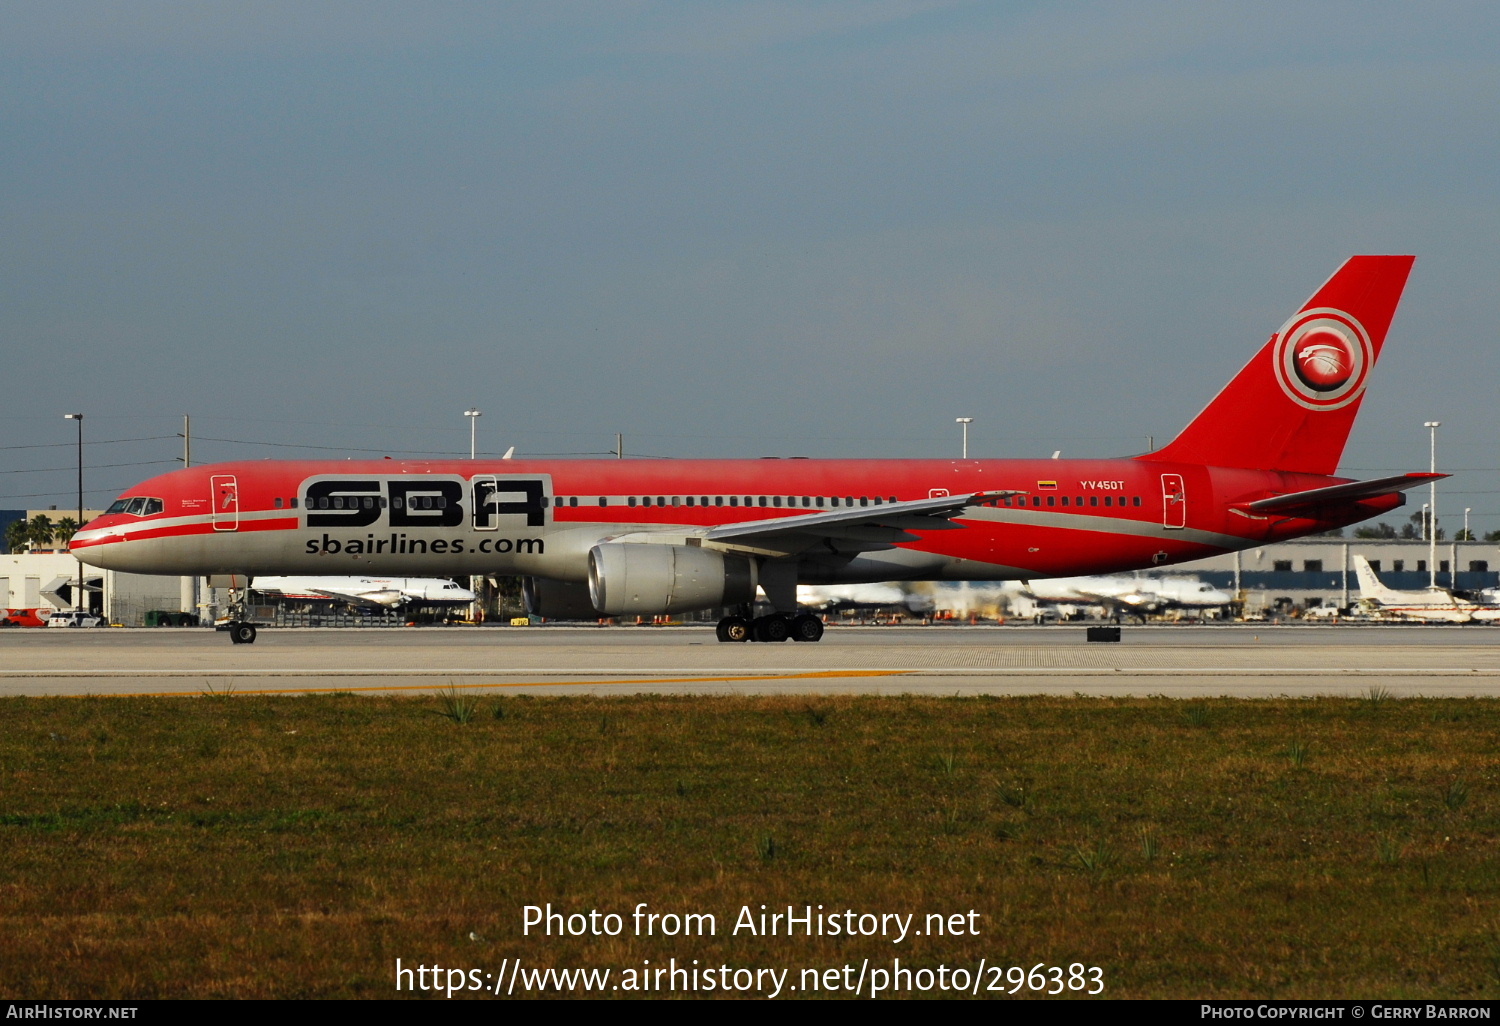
{"x": 97, "y": 545}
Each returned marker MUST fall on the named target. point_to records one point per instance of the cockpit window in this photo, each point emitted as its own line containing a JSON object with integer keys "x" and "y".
{"x": 139, "y": 506}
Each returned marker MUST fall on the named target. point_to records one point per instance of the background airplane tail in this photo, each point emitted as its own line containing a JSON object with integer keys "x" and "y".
{"x": 1370, "y": 586}
{"x": 1293, "y": 405}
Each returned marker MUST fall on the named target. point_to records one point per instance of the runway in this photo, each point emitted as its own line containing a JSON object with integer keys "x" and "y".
{"x": 1176, "y": 661}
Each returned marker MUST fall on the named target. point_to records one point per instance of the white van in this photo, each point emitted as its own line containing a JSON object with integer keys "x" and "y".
{"x": 73, "y": 618}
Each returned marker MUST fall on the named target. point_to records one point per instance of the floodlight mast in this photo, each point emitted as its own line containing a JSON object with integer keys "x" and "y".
{"x": 78, "y": 418}
{"x": 1432, "y": 426}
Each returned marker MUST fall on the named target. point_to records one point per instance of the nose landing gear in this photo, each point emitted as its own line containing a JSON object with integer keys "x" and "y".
{"x": 241, "y": 632}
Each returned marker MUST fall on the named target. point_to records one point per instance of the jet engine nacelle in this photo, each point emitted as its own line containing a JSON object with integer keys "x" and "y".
{"x": 557, "y": 600}
{"x": 643, "y": 578}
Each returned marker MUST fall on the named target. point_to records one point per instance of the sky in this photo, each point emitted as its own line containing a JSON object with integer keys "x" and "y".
{"x": 726, "y": 229}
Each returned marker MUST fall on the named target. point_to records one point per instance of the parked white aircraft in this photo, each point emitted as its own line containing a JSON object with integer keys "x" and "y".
{"x": 1127, "y": 593}
{"x": 1114, "y": 593}
{"x": 867, "y": 596}
{"x": 1430, "y": 603}
{"x": 373, "y": 592}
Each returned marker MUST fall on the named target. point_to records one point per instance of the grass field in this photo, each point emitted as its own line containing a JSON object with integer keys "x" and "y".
{"x": 277, "y": 846}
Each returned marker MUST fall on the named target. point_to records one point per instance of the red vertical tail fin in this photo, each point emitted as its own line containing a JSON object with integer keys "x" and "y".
{"x": 1293, "y": 405}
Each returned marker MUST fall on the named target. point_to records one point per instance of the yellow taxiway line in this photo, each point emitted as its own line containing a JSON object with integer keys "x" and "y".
{"x": 821, "y": 675}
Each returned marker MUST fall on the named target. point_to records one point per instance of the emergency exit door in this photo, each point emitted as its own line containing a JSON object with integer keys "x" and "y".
{"x": 226, "y": 500}
{"x": 1173, "y": 502}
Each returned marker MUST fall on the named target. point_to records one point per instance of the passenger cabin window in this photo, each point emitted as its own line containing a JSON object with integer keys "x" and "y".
{"x": 1398, "y": 565}
{"x": 1479, "y": 566}
{"x": 1281, "y": 566}
{"x": 1312, "y": 566}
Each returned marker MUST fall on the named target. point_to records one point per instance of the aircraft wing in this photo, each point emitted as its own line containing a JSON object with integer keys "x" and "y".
{"x": 866, "y": 527}
{"x": 1352, "y": 492}
{"x": 384, "y": 599}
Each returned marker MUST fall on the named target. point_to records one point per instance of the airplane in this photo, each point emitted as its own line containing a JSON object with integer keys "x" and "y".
{"x": 862, "y": 596}
{"x": 1128, "y": 594}
{"x": 1115, "y": 593}
{"x": 597, "y": 538}
{"x": 371, "y": 592}
{"x": 1430, "y": 603}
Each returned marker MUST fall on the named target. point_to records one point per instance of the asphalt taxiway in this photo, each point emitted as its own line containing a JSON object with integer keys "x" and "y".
{"x": 1177, "y": 661}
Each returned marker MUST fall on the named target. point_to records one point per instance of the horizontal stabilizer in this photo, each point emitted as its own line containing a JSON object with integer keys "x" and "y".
{"x": 1336, "y": 494}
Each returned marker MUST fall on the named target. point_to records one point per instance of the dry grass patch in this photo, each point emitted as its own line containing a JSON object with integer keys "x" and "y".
{"x": 271, "y": 846}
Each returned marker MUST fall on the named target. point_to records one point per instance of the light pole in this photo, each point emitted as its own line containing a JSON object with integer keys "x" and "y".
{"x": 1432, "y": 426}
{"x": 473, "y": 416}
{"x": 1467, "y": 511}
{"x": 476, "y": 606}
{"x": 965, "y": 421}
{"x": 78, "y": 417}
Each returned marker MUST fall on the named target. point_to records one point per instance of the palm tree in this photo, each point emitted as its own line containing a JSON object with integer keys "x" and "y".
{"x": 39, "y": 529}
{"x": 66, "y": 528}
{"x": 17, "y": 536}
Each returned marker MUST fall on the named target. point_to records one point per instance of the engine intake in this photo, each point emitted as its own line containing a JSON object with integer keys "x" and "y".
{"x": 642, "y": 578}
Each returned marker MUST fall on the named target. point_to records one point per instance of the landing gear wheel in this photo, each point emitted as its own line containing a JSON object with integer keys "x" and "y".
{"x": 807, "y": 627}
{"x": 733, "y": 628}
{"x": 771, "y": 628}
{"x": 242, "y": 634}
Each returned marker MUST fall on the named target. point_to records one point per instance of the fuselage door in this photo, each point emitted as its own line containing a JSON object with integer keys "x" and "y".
{"x": 483, "y": 490}
{"x": 226, "y": 500}
{"x": 1173, "y": 502}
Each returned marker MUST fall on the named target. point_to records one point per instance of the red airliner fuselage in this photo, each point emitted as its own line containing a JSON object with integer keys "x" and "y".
{"x": 606, "y": 537}
{"x": 397, "y": 517}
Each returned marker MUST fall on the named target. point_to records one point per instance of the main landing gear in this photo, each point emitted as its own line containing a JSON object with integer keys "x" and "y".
{"x": 773, "y": 627}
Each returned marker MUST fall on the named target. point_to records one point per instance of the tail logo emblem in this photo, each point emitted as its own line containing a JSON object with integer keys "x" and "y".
{"x": 1322, "y": 358}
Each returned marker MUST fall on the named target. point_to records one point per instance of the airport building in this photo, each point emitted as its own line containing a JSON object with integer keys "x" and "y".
{"x": 1312, "y": 572}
